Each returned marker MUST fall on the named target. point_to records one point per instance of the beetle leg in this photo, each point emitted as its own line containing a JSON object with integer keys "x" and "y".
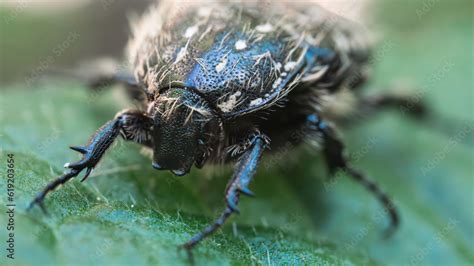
{"x": 132, "y": 125}
{"x": 409, "y": 105}
{"x": 333, "y": 151}
{"x": 101, "y": 73}
{"x": 243, "y": 174}
{"x": 102, "y": 80}
{"x": 368, "y": 106}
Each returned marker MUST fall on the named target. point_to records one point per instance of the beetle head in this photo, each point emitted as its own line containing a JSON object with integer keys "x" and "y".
{"x": 181, "y": 119}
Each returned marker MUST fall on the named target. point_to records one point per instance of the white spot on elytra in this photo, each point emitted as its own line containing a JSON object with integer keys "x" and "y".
{"x": 256, "y": 102}
{"x": 278, "y": 66}
{"x": 276, "y": 83}
{"x": 191, "y": 31}
{"x": 240, "y": 44}
{"x": 264, "y": 28}
{"x": 229, "y": 105}
{"x": 290, "y": 65}
{"x": 221, "y": 65}
{"x": 204, "y": 12}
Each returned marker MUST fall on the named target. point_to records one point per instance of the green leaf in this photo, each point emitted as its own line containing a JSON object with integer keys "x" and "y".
{"x": 129, "y": 214}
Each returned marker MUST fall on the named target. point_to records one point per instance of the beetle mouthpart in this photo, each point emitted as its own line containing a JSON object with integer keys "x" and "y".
{"x": 156, "y": 166}
{"x": 179, "y": 172}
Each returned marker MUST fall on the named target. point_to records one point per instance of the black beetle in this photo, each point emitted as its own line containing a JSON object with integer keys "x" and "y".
{"x": 223, "y": 82}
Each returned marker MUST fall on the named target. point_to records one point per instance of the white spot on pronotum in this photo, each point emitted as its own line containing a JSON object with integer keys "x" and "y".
{"x": 66, "y": 165}
{"x": 221, "y": 65}
{"x": 278, "y": 66}
{"x": 290, "y": 66}
{"x": 240, "y": 44}
{"x": 181, "y": 54}
{"x": 229, "y": 105}
{"x": 264, "y": 28}
{"x": 276, "y": 83}
{"x": 190, "y": 31}
{"x": 256, "y": 102}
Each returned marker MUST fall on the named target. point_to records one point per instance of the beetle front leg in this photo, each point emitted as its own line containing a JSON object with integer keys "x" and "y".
{"x": 132, "y": 125}
{"x": 244, "y": 172}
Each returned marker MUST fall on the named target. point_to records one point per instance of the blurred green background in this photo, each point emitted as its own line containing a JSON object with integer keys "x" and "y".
{"x": 129, "y": 214}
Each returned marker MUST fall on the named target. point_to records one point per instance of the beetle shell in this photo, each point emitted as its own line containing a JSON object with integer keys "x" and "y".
{"x": 245, "y": 57}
